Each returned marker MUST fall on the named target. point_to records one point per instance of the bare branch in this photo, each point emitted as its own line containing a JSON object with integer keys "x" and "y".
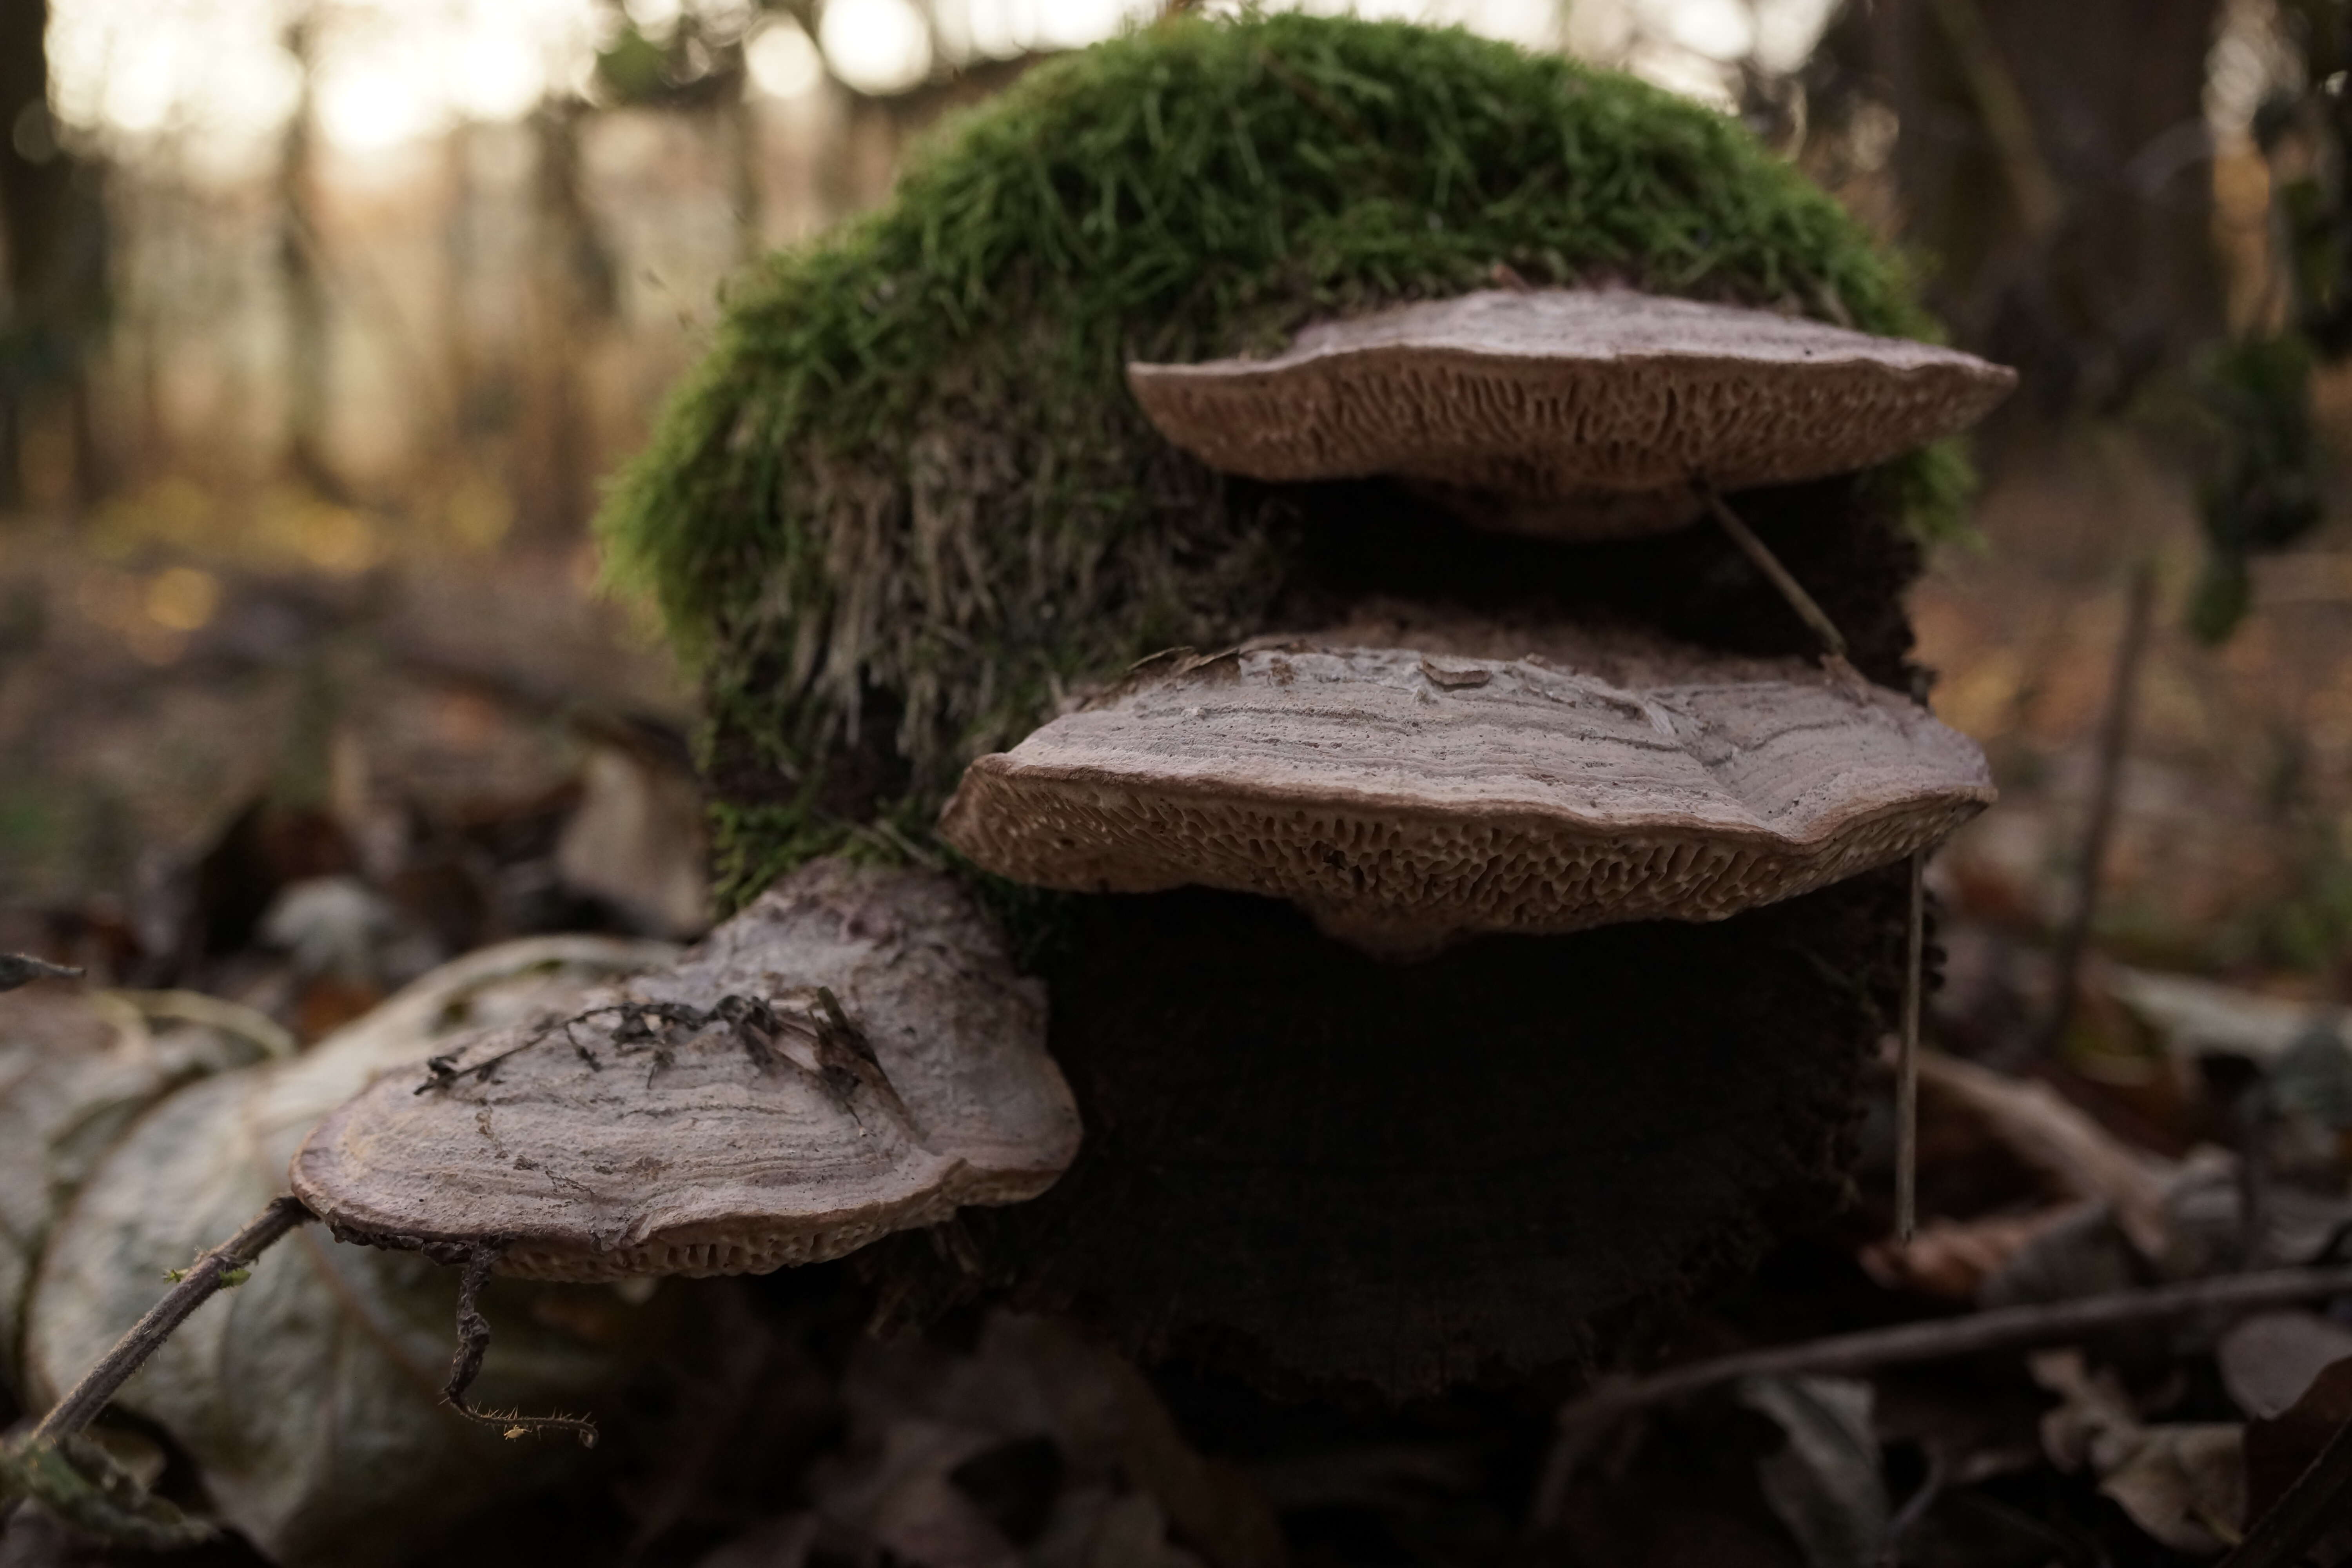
{"x": 2009, "y": 1328}
{"x": 56, "y": 1465}
{"x": 2320, "y": 1497}
{"x": 22, "y": 969}
{"x": 223, "y": 1264}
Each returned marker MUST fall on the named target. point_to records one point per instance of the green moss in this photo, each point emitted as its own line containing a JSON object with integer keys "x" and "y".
{"x": 908, "y": 487}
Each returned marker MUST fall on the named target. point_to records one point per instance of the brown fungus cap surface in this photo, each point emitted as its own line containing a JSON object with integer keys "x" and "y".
{"x": 1573, "y": 412}
{"x": 851, "y": 1055}
{"x": 1403, "y": 798}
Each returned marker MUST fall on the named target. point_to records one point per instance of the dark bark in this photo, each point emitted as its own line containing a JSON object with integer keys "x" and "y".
{"x": 1321, "y": 1171}
{"x": 572, "y": 294}
{"x": 52, "y": 233}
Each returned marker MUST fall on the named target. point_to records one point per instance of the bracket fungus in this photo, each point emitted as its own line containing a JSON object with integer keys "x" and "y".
{"x": 912, "y": 502}
{"x": 1582, "y": 413}
{"x": 1403, "y": 800}
{"x": 852, "y": 1055}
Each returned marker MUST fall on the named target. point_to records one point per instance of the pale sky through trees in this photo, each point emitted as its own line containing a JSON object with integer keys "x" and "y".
{"x": 215, "y": 75}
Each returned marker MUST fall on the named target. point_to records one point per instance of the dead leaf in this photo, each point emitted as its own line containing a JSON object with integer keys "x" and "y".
{"x": 76, "y": 1067}
{"x": 923, "y": 1419}
{"x": 1953, "y": 1259}
{"x": 780, "y": 1543}
{"x": 2269, "y": 1361}
{"x": 636, "y": 843}
{"x": 2183, "y": 1483}
{"x": 308, "y": 1396}
{"x": 1823, "y": 1483}
{"x": 2279, "y": 1449}
{"x": 2199, "y": 1017}
{"x": 2087, "y": 1253}
{"x": 902, "y": 1498}
{"x": 2083, "y": 1157}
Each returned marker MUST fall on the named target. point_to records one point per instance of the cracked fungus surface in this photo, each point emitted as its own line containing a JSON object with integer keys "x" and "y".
{"x": 602, "y": 1152}
{"x": 1575, "y": 394}
{"x": 1401, "y": 798}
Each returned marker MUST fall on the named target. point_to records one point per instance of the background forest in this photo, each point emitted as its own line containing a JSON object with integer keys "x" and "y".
{"x": 322, "y": 322}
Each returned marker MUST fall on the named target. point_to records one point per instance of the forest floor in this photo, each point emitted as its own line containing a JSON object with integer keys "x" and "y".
{"x": 297, "y": 780}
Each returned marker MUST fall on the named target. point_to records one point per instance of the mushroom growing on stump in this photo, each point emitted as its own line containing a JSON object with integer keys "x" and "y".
{"x": 908, "y": 511}
{"x": 1403, "y": 800}
{"x": 1576, "y": 412}
{"x": 851, "y": 1055}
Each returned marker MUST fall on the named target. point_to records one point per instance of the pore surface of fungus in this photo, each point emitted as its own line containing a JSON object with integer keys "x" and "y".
{"x": 850, "y": 1055}
{"x": 1581, "y": 412}
{"x": 1403, "y": 797}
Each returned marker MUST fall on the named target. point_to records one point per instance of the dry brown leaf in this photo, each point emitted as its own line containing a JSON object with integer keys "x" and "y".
{"x": 1952, "y": 1258}
{"x": 2080, "y": 1157}
{"x": 76, "y": 1069}
{"x": 308, "y": 1396}
{"x": 2281, "y": 1448}
{"x": 2271, "y": 1360}
{"x": 2183, "y": 1483}
{"x": 921, "y": 1414}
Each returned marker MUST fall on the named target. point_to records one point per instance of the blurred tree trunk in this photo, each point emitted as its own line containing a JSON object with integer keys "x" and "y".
{"x": 572, "y": 296}
{"x": 309, "y": 367}
{"x": 2054, "y": 160}
{"x": 53, "y": 236}
{"x": 476, "y": 409}
{"x": 738, "y": 120}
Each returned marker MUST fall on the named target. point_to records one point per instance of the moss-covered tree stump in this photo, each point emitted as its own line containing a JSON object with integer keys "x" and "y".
{"x": 907, "y": 507}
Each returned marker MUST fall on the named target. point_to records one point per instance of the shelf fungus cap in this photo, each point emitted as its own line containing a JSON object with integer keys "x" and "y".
{"x": 1404, "y": 799}
{"x": 1579, "y": 412}
{"x": 852, "y": 1055}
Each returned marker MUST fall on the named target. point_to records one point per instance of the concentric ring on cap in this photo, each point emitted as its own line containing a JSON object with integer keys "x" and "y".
{"x": 852, "y": 1055}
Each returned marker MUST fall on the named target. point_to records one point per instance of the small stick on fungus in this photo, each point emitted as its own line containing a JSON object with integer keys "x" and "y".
{"x": 474, "y": 1344}
{"x": 1906, "y": 1059}
{"x": 1906, "y": 1063}
{"x": 713, "y": 1120}
{"x": 1759, "y": 556}
{"x": 473, "y": 1261}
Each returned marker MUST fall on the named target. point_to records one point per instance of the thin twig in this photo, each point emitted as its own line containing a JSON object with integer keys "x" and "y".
{"x": 2255, "y": 1112}
{"x": 22, "y": 969}
{"x": 2009, "y": 1328}
{"x": 474, "y": 1344}
{"x": 223, "y": 1264}
{"x": 1915, "y": 1508}
{"x": 1760, "y": 556}
{"x": 53, "y": 1461}
{"x": 2320, "y": 1497}
{"x": 1906, "y": 1062}
{"x": 2115, "y": 733}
